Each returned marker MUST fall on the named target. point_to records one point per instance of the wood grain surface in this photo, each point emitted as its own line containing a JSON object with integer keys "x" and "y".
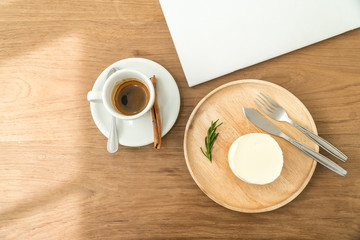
{"x": 215, "y": 178}
{"x": 57, "y": 180}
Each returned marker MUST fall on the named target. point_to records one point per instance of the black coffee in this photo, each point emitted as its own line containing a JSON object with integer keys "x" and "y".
{"x": 130, "y": 96}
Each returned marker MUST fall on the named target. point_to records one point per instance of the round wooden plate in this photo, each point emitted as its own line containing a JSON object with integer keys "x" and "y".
{"x": 216, "y": 179}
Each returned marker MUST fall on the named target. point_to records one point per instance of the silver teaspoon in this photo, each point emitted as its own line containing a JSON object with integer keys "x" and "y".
{"x": 113, "y": 142}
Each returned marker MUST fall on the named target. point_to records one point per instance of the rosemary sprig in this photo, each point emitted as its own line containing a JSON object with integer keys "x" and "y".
{"x": 210, "y": 139}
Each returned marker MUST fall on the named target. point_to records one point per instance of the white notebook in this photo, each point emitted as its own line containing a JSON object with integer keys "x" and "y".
{"x": 216, "y": 37}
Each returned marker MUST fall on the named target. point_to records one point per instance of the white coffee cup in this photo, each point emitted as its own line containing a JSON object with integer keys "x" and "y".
{"x": 105, "y": 95}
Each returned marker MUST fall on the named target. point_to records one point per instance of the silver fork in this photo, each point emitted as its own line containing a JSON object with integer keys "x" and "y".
{"x": 276, "y": 112}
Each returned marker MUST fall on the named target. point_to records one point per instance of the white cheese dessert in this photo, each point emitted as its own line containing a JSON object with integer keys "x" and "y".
{"x": 256, "y": 158}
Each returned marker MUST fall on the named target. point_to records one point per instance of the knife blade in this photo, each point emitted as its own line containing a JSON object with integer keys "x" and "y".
{"x": 261, "y": 122}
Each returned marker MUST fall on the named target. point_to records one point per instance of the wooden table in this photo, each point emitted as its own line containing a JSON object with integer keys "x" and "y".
{"x": 57, "y": 180}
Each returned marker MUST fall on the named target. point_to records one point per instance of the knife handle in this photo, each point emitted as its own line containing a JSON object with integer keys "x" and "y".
{"x": 321, "y": 142}
{"x": 318, "y": 157}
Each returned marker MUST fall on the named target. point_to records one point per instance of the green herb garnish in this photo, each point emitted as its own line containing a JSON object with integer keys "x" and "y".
{"x": 210, "y": 139}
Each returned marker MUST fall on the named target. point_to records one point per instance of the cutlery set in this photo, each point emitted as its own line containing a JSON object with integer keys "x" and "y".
{"x": 278, "y": 113}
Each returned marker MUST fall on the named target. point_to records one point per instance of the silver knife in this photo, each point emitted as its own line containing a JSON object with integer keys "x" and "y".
{"x": 261, "y": 122}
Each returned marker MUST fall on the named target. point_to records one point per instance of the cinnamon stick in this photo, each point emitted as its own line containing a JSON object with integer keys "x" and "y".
{"x": 155, "y": 113}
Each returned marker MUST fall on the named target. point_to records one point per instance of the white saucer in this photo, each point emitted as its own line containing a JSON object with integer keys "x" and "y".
{"x": 139, "y": 132}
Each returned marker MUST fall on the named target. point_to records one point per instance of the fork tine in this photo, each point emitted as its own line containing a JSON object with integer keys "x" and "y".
{"x": 267, "y": 104}
{"x": 271, "y": 101}
{"x": 263, "y": 106}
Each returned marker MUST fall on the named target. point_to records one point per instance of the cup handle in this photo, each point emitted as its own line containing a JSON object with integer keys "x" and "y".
{"x": 94, "y": 96}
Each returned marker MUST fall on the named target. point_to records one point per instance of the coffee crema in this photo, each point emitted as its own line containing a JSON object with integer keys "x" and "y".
{"x": 130, "y": 96}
